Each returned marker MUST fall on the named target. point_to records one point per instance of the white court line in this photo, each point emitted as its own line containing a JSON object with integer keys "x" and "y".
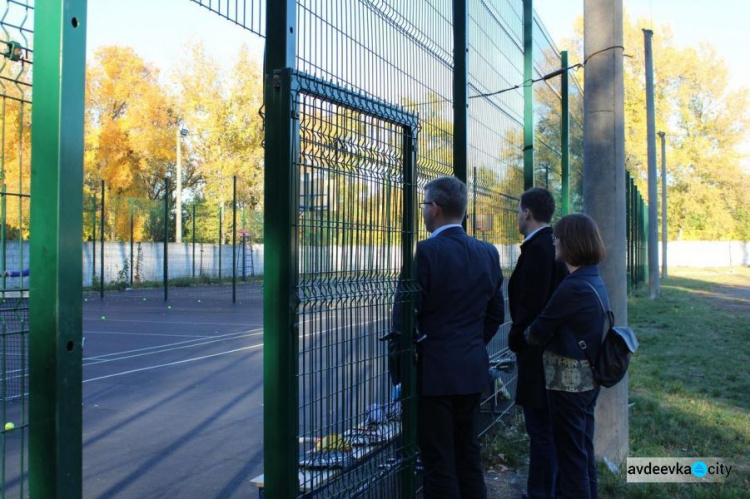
{"x": 198, "y": 338}
{"x": 171, "y": 363}
{"x": 88, "y": 331}
{"x": 142, "y": 354}
{"x": 194, "y": 343}
{"x": 140, "y": 321}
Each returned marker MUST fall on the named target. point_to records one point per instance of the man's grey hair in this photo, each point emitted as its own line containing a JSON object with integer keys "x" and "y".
{"x": 450, "y": 194}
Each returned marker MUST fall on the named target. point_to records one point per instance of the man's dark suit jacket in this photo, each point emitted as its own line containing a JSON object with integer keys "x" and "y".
{"x": 459, "y": 309}
{"x": 533, "y": 281}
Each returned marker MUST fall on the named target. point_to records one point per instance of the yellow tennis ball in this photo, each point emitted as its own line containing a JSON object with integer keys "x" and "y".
{"x": 9, "y": 426}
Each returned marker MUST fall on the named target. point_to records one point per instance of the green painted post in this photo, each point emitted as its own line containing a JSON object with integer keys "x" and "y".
{"x": 221, "y": 220}
{"x": 281, "y": 184}
{"x": 93, "y": 240}
{"x": 132, "y": 271}
{"x": 460, "y": 90}
{"x": 55, "y": 390}
{"x": 234, "y": 239}
{"x": 101, "y": 247}
{"x": 565, "y": 134}
{"x": 165, "y": 266}
{"x": 645, "y": 239}
{"x": 628, "y": 235}
{"x": 4, "y": 208}
{"x": 409, "y": 380}
{"x": 528, "y": 95}
{"x": 193, "y": 239}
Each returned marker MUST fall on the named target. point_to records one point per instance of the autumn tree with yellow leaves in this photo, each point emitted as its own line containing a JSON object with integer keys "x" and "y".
{"x": 133, "y": 115}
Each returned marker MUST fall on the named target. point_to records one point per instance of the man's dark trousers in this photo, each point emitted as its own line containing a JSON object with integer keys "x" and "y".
{"x": 445, "y": 423}
{"x": 542, "y": 461}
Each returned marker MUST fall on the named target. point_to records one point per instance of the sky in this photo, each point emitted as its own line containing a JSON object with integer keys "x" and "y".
{"x": 723, "y": 23}
{"x": 159, "y": 29}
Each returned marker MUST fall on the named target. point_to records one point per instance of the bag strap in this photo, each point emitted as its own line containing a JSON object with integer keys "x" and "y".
{"x": 597, "y": 296}
{"x": 581, "y": 343}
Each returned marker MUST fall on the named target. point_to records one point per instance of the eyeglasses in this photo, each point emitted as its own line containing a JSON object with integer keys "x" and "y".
{"x": 426, "y": 203}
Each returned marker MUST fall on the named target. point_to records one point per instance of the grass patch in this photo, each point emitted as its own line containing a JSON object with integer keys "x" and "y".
{"x": 690, "y": 380}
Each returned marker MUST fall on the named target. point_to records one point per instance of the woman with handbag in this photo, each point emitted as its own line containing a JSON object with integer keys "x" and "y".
{"x": 573, "y": 317}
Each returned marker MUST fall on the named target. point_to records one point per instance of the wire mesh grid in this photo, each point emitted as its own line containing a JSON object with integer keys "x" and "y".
{"x": 350, "y": 231}
{"x": 125, "y": 256}
{"x": 16, "y": 22}
{"x": 402, "y": 53}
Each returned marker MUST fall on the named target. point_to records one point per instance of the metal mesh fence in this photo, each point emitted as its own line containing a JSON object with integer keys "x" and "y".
{"x": 351, "y": 230}
{"x": 132, "y": 250}
{"x": 16, "y": 45}
{"x": 401, "y": 53}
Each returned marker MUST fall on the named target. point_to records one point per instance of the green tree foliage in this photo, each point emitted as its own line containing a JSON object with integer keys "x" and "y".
{"x": 704, "y": 121}
{"x": 133, "y": 119}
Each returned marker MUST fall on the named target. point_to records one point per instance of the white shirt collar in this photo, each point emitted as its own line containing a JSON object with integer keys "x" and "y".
{"x": 529, "y": 236}
{"x": 441, "y": 229}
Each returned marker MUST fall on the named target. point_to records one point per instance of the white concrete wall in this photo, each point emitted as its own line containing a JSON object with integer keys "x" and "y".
{"x": 699, "y": 254}
{"x": 148, "y": 260}
{"x": 707, "y": 254}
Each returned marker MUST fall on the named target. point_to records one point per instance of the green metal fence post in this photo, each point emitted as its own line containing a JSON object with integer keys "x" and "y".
{"x": 101, "y": 247}
{"x": 460, "y": 90}
{"x": 165, "y": 266}
{"x": 55, "y": 448}
{"x": 281, "y": 331}
{"x": 193, "y": 240}
{"x": 409, "y": 380}
{"x": 221, "y": 220}
{"x": 528, "y": 95}
{"x": 628, "y": 235}
{"x": 3, "y": 208}
{"x": 131, "y": 242}
{"x": 565, "y": 134}
{"x": 93, "y": 240}
{"x": 234, "y": 239}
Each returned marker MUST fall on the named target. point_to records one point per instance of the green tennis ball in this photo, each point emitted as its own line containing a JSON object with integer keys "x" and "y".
{"x": 144, "y": 299}
{"x": 104, "y": 318}
{"x": 169, "y": 307}
{"x": 9, "y": 426}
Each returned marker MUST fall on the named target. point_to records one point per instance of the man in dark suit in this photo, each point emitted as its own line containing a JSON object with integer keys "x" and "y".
{"x": 535, "y": 277}
{"x": 459, "y": 309}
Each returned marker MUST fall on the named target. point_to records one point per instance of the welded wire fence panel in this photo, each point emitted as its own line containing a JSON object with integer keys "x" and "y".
{"x": 636, "y": 234}
{"x": 576, "y": 144}
{"x": 402, "y": 53}
{"x": 496, "y": 158}
{"x": 351, "y": 230}
{"x": 250, "y": 14}
{"x": 547, "y": 114}
{"x": 126, "y": 255}
{"x": 16, "y": 22}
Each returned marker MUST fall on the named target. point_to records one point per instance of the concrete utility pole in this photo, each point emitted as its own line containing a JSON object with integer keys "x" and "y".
{"x": 604, "y": 191}
{"x": 663, "y": 207}
{"x": 653, "y": 200}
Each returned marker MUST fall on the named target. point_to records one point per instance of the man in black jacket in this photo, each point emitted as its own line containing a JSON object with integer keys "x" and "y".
{"x": 459, "y": 309}
{"x": 535, "y": 277}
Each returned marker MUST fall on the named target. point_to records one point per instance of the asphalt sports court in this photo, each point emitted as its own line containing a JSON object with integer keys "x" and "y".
{"x": 173, "y": 393}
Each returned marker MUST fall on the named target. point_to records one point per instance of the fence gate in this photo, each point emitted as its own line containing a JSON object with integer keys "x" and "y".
{"x": 353, "y": 233}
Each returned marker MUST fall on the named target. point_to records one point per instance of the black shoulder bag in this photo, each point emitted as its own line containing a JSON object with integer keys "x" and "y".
{"x": 618, "y": 344}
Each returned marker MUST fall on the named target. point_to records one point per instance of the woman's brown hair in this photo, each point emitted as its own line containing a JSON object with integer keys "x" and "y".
{"x": 580, "y": 241}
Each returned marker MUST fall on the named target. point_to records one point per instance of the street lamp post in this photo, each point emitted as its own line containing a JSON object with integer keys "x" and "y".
{"x": 181, "y": 132}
